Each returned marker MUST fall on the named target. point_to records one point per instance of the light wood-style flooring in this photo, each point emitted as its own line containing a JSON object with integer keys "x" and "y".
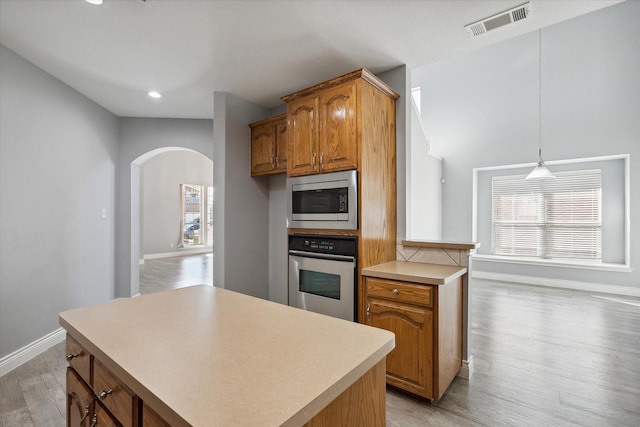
{"x": 176, "y": 272}
{"x": 543, "y": 357}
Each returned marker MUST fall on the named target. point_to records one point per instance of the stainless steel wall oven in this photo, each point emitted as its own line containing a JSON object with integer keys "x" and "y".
{"x": 322, "y": 274}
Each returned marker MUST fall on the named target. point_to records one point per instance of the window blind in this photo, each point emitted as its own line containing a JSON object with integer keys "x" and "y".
{"x": 548, "y": 218}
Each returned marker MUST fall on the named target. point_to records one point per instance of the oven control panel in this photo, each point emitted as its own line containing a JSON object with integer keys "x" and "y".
{"x": 324, "y": 244}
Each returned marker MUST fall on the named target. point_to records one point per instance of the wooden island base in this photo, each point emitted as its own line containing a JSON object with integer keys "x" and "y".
{"x": 203, "y": 356}
{"x": 364, "y": 403}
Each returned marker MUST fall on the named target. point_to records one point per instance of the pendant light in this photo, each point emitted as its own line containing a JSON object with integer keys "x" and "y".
{"x": 540, "y": 171}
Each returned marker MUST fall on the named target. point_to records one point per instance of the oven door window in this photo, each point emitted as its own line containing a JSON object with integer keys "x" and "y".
{"x": 319, "y": 283}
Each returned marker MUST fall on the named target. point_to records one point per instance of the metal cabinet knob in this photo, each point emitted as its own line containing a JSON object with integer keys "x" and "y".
{"x": 395, "y": 292}
{"x": 103, "y": 394}
{"x": 71, "y": 356}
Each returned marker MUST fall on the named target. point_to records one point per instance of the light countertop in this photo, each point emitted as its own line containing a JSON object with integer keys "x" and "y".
{"x": 441, "y": 244}
{"x": 207, "y": 356}
{"x": 428, "y": 274}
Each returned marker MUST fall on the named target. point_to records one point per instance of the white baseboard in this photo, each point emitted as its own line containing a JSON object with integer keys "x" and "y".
{"x": 467, "y": 368}
{"x": 28, "y": 352}
{"x": 558, "y": 283}
{"x": 183, "y": 252}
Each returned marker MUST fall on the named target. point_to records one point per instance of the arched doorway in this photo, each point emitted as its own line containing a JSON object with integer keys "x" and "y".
{"x": 158, "y": 227}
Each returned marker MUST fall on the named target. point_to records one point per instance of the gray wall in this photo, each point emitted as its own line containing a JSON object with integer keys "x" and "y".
{"x": 278, "y": 244}
{"x": 58, "y": 152}
{"x": 161, "y": 177}
{"x": 400, "y": 80}
{"x": 241, "y": 207}
{"x": 424, "y": 187}
{"x": 140, "y": 140}
{"x": 481, "y": 110}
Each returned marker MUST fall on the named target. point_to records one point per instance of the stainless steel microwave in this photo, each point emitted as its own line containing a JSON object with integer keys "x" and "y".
{"x": 326, "y": 201}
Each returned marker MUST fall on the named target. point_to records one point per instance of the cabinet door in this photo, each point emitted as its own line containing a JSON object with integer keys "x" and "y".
{"x": 338, "y": 128}
{"x": 281, "y": 146}
{"x": 410, "y": 363}
{"x": 263, "y": 140}
{"x": 102, "y": 418}
{"x": 303, "y": 137}
{"x": 79, "y": 401}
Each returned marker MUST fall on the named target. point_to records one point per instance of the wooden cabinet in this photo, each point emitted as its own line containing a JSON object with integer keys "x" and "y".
{"x": 323, "y": 131}
{"x": 97, "y": 397}
{"x": 303, "y": 136}
{"x": 427, "y": 321}
{"x": 347, "y": 123}
{"x": 151, "y": 419}
{"x": 79, "y": 359}
{"x": 269, "y": 146}
{"x": 327, "y": 123}
{"x": 103, "y": 418}
{"x": 80, "y": 401}
{"x": 114, "y": 395}
{"x": 337, "y": 141}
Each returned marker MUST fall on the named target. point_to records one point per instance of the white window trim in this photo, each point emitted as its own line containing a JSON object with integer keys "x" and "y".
{"x": 626, "y": 266}
{"x": 555, "y": 263}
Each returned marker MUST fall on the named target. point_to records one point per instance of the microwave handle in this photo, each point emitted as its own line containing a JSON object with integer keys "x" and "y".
{"x": 331, "y": 257}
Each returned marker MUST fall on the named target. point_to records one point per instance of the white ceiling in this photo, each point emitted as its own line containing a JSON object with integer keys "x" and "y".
{"x": 257, "y": 50}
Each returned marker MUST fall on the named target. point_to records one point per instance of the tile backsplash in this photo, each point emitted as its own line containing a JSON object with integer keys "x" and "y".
{"x": 444, "y": 256}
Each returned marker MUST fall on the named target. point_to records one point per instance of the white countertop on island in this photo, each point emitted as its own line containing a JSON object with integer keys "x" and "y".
{"x": 205, "y": 356}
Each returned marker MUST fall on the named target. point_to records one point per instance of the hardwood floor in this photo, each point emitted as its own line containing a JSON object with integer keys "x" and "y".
{"x": 543, "y": 357}
{"x": 176, "y": 272}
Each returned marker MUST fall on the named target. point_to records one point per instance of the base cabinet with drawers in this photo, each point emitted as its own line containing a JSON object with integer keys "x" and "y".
{"x": 427, "y": 322}
{"x": 97, "y": 398}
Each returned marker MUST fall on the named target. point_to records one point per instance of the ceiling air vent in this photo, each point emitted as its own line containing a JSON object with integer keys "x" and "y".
{"x": 499, "y": 20}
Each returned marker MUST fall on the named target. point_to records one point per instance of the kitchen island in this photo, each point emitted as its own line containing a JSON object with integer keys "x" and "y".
{"x": 204, "y": 356}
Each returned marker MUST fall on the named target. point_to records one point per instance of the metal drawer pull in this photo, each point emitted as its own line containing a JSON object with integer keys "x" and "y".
{"x": 86, "y": 414}
{"x": 71, "y": 356}
{"x": 395, "y": 292}
{"x": 103, "y": 394}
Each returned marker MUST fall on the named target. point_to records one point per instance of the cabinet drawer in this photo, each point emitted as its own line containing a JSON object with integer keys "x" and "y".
{"x": 399, "y": 291}
{"x": 79, "y": 359}
{"x": 114, "y": 395}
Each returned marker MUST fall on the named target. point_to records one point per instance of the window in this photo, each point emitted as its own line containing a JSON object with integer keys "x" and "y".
{"x": 548, "y": 218}
{"x": 197, "y": 228}
{"x": 580, "y": 219}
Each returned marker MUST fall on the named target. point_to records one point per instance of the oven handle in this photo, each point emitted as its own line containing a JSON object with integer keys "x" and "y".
{"x": 345, "y": 258}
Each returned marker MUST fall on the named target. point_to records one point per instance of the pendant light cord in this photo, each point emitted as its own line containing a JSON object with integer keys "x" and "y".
{"x": 540, "y": 94}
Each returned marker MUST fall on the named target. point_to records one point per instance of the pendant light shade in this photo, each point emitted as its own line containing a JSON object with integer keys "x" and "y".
{"x": 540, "y": 171}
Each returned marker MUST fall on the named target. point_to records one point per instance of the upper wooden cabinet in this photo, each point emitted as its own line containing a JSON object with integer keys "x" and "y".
{"x": 269, "y": 146}
{"x": 326, "y": 122}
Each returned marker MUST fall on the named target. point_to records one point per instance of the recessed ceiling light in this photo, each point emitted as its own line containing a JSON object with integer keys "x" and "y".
{"x": 94, "y": 1}
{"x": 154, "y": 94}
